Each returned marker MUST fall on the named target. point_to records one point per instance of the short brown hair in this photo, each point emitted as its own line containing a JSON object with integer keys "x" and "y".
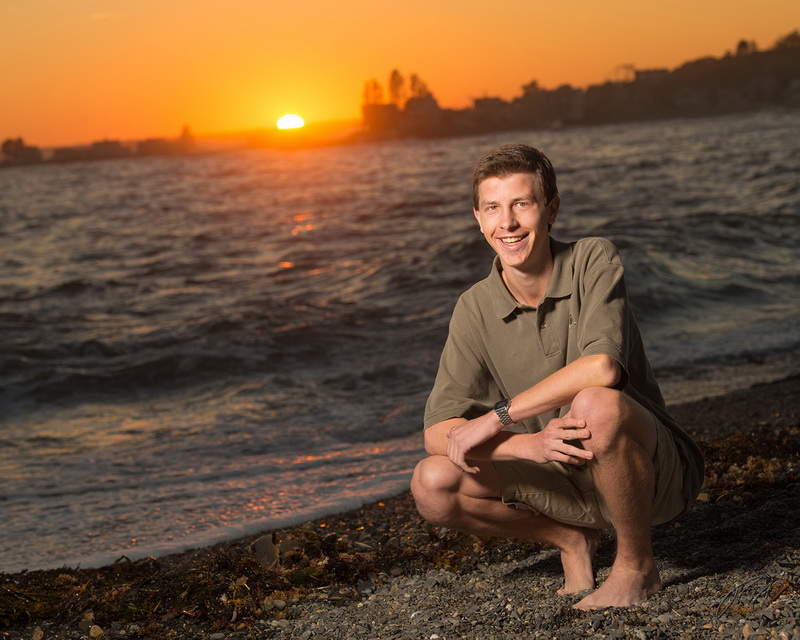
{"x": 515, "y": 158}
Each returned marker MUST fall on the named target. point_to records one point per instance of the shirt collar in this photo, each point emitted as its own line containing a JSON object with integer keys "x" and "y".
{"x": 560, "y": 282}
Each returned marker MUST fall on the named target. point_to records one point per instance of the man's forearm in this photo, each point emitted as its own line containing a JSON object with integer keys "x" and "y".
{"x": 506, "y": 445}
{"x": 560, "y": 388}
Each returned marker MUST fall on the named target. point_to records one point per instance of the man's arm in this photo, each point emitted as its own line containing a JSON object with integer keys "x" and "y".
{"x": 484, "y": 439}
{"x": 561, "y": 387}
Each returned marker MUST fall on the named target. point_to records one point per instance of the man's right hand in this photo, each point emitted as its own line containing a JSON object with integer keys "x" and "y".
{"x": 466, "y": 436}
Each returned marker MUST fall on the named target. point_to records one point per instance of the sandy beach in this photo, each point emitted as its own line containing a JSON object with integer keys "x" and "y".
{"x": 730, "y": 566}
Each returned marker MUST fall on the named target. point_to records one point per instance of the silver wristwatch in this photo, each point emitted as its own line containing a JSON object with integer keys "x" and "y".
{"x": 501, "y": 409}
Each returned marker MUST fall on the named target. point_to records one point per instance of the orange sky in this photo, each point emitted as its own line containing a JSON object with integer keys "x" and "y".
{"x": 75, "y": 71}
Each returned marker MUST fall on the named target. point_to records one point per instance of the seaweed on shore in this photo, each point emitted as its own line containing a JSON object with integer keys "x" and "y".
{"x": 339, "y": 559}
{"x": 750, "y": 461}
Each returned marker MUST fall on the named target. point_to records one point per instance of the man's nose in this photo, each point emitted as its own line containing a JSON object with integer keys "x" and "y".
{"x": 507, "y": 220}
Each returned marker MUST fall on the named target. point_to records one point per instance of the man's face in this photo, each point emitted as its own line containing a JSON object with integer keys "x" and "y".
{"x": 515, "y": 219}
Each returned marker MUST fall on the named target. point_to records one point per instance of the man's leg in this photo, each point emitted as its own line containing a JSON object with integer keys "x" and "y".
{"x": 624, "y": 442}
{"x": 447, "y": 496}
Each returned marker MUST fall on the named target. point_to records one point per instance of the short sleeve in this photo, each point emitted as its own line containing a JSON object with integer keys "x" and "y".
{"x": 464, "y": 387}
{"x": 605, "y": 323}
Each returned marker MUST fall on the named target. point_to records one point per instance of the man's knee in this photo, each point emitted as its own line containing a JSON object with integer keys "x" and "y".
{"x": 433, "y": 485}
{"x": 612, "y": 417}
{"x": 601, "y": 405}
{"x": 604, "y": 411}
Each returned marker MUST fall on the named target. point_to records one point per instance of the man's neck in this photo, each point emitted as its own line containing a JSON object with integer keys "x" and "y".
{"x": 528, "y": 287}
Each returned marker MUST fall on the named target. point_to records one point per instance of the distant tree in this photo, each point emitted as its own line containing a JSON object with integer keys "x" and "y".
{"x": 418, "y": 88}
{"x": 789, "y": 41}
{"x": 373, "y": 92}
{"x": 398, "y": 93}
{"x": 17, "y": 152}
{"x": 396, "y": 88}
{"x": 745, "y": 48}
{"x": 12, "y": 147}
{"x": 531, "y": 87}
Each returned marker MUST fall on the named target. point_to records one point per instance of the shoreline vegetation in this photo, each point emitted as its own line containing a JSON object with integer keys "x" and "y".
{"x": 743, "y": 80}
{"x": 730, "y": 565}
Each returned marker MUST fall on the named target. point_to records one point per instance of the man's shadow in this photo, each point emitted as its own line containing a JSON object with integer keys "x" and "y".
{"x": 732, "y": 533}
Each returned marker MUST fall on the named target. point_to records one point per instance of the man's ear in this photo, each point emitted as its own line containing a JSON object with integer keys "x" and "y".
{"x": 554, "y": 206}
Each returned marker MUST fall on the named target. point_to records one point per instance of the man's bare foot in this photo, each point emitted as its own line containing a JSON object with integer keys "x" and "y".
{"x": 622, "y": 588}
{"x": 577, "y": 563}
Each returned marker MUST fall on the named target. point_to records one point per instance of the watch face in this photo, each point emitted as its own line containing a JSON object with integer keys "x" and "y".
{"x": 501, "y": 409}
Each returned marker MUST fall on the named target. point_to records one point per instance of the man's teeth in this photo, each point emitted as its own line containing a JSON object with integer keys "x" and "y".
{"x": 511, "y": 240}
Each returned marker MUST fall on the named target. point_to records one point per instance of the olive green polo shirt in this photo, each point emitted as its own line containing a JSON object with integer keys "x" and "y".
{"x": 498, "y": 348}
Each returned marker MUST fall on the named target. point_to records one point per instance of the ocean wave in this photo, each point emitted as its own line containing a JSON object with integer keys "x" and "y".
{"x": 53, "y": 379}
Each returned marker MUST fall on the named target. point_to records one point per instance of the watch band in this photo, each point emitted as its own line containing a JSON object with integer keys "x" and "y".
{"x": 501, "y": 409}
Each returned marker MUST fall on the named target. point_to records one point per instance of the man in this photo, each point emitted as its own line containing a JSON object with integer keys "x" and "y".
{"x": 548, "y": 342}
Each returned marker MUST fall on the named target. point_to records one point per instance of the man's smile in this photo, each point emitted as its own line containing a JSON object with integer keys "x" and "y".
{"x": 512, "y": 240}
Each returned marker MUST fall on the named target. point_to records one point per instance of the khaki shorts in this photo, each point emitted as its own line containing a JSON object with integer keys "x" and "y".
{"x": 566, "y": 492}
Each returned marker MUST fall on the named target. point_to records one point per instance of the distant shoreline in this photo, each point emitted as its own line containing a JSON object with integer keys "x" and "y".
{"x": 246, "y": 142}
{"x": 745, "y": 81}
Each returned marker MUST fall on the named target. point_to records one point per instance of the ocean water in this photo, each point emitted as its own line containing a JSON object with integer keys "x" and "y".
{"x": 194, "y": 349}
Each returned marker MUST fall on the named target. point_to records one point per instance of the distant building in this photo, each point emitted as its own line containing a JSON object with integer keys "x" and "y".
{"x": 539, "y": 108}
{"x": 751, "y": 79}
{"x": 792, "y": 93}
{"x": 492, "y": 114}
{"x": 165, "y": 147}
{"x": 108, "y": 149}
{"x": 653, "y": 76}
{"x": 381, "y": 119}
{"x": 102, "y": 150}
{"x": 154, "y": 147}
{"x": 111, "y": 149}
{"x": 70, "y": 154}
{"x": 423, "y": 117}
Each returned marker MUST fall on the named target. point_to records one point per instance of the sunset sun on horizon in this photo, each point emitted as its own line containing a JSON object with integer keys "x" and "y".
{"x": 290, "y": 121}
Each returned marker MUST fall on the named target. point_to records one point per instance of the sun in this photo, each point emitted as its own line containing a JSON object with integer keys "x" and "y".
{"x": 290, "y": 121}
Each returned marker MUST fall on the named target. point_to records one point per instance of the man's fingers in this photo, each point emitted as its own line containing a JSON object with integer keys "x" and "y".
{"x": 574, "y": 455}
{"x": 456, "y": 457}
{"x": 459, "y": 459}
{"x": 575, "y": 434}
{"x": 464, "y": 466}
{"x": 577, "y": 452}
